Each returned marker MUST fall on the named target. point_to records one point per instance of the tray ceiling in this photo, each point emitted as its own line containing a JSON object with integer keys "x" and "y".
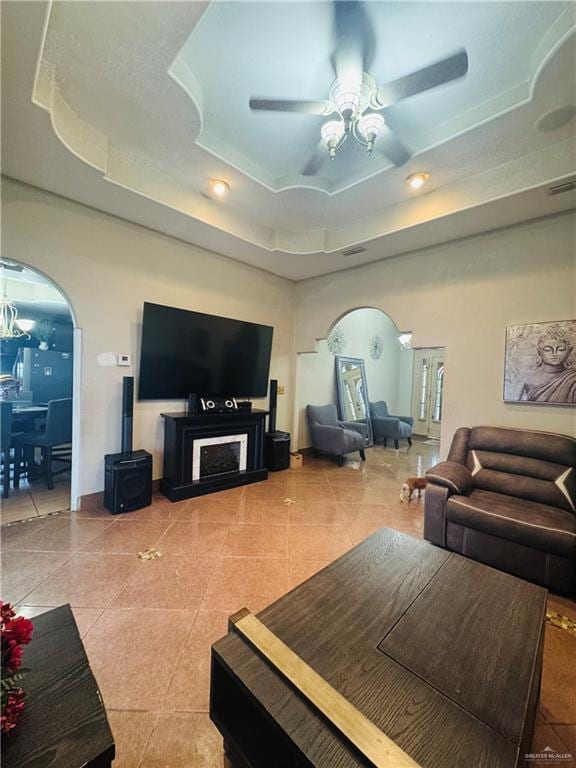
{"x": 150, "y": 99}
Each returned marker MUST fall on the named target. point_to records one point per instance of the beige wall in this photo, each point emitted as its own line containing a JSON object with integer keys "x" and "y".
{"x": 461, "y": 296}
{"x": 316, "y": 378}
{"x": 108, "y": 268}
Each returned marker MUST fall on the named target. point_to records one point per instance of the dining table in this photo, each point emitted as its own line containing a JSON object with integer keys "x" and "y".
{"x": 29, "y": 412}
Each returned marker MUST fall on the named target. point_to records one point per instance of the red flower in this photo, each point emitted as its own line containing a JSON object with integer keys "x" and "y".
{"x": 15, "y": 633}
{"x": 20, "y": 630}
{"x": 6, "y": 611}
{"x": 13, "y": 658}
{"x": 12, "y": 710}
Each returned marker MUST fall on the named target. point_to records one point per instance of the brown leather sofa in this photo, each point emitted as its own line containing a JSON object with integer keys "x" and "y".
{"x": 507, "y": 498}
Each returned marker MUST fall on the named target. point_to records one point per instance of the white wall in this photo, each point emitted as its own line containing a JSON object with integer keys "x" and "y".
{"x": 316, "y": 378}
{"x": 108, "y": 267}
{"x": 461, "y": 296}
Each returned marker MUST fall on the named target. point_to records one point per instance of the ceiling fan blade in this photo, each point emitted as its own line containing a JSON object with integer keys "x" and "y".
{"x": 390, "y": 145}
{"x": 291, "y": 105}
{"x": 437, "y": 74}
{"x": 354, "y": 40}
{"x": 316, "y": 161}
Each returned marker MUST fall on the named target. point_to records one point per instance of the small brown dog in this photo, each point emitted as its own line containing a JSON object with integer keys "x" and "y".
{"x": 413, "y": 484}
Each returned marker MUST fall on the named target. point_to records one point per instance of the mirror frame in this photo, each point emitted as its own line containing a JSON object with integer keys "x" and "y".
{"x": 340, "y": 389}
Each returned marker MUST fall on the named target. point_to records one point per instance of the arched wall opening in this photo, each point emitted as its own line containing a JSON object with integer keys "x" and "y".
{"x": 53, "y": 332}
{"x": 367, "y": 333}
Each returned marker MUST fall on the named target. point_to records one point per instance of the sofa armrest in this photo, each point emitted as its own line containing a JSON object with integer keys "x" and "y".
{"x": 356, "y": 426}
{"x": 386, "y": 427}
{"x": 451, "y": 475}
{"x": 407, "y": 420}
{"x": 435, "y": 500}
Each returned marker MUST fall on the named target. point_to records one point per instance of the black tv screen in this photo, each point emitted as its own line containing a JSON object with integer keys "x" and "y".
{"x": 184, "y": 352}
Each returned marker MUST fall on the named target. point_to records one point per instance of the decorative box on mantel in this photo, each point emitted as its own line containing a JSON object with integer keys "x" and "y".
{"x": 212, "y": 452}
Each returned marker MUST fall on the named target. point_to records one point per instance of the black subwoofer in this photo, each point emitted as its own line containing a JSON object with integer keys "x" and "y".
{"x": 277, "y": 450}
{"x": 128, "y": 481}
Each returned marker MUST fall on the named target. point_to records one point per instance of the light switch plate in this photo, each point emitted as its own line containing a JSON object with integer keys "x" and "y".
{"x": 125, "y": 361}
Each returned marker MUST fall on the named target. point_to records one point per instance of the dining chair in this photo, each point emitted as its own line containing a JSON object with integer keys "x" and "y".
{"x": 7, "y": 443}
{"x": 54, "y": 441}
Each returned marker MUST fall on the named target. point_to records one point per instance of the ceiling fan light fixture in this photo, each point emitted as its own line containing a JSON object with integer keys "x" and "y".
{"x": 333, "y": 133}
{"x": 219, "y": 187}
{"x": 369, "y": 127}
{"x": 416, "y": 180}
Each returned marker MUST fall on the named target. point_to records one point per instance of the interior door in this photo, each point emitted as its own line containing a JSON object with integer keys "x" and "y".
{"x": 428, "y": 390}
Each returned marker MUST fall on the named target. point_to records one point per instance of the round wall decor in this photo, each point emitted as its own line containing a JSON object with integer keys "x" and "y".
{"x": 336, "y": 341}
{"x": 376, "y": 347}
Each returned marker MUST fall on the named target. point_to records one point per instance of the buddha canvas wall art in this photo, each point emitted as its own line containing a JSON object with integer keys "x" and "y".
{"x": 541, "y": 363}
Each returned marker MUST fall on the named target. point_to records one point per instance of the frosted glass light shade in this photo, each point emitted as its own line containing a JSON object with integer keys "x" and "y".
{"x": 25, "y": 325}
{"x": 347, "y": 100}
{"x": 332, "y": 134}
{"x": 405, "y": 340}
{"x": 370, "y": 125}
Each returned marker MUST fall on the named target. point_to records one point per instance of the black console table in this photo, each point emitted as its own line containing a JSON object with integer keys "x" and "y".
{"x": 187, "y": 443}
{"x": 64, "y": 724}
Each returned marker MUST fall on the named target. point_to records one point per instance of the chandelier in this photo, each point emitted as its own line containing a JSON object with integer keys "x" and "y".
{"x": 10, "y": 326}
{"x": 356, "y": 104}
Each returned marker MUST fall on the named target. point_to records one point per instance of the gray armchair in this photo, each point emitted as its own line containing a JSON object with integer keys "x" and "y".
{"x": 386, "y": 426}
{"x": 329, "y": 435}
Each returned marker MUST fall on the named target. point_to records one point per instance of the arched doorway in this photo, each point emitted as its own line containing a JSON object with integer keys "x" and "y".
{"x": 410, "y": 380}
{"x": 39, "y": 356}
{"x": 364, "y": 333}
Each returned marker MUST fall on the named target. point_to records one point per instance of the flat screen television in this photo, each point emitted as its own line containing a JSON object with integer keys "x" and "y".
{"x": 184, "y": 352}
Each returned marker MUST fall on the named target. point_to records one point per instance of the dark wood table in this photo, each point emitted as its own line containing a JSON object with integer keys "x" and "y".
{"x": 442, "y": 653}
{"x": 64, "y": 724}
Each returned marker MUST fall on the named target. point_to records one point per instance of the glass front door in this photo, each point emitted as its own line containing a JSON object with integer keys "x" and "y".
{"x": 428, "y": 389}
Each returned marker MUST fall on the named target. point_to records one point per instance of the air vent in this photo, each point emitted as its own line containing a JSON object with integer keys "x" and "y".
{"x": 566, "y": 186}
{"x": 353, "y": 251}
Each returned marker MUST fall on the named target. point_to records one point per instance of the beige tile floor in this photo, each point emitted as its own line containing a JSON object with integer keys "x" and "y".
{"x": 148, "y": 625}
{"x": 34, "y": 499}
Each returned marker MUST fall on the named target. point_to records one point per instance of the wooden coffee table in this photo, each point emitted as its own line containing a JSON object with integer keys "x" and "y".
{"x": 442, "y": 653}
{"x": 64, "y": 724}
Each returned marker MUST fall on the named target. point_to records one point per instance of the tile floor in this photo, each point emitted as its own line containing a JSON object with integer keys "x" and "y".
{"x": 244, "y": 547}
{"x": 34, "y": 499}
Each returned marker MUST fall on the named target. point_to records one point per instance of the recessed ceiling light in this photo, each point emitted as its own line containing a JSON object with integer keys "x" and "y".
{"x": 219, "y": 187}
{"x": 416, "y": 180}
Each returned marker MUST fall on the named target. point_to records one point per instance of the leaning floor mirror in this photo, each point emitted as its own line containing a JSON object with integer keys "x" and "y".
{"x": 353, "y": 403}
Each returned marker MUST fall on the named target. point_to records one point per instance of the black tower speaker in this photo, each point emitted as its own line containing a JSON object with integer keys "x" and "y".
{"x": 127, "y": 475}
{"x": 277, "y": 444}
{"x": 127, "y": 412}
{"x": 273, "y": 405}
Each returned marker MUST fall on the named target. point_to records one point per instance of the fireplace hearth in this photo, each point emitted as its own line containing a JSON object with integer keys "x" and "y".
{"x": 212, "y": 452}
{"x": 225, "y": 455}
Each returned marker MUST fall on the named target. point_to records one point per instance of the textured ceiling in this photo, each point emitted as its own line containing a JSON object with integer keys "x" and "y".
{"x": 275, "y": 147}
{"x": 148, "y": 100}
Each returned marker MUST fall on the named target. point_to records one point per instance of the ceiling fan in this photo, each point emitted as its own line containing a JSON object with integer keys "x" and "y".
{"x": 356, "y": 105}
